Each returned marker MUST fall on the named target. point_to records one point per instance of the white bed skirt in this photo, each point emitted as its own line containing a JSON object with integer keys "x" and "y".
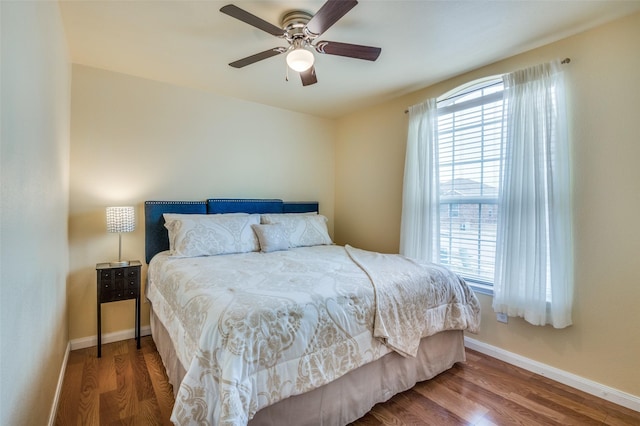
{"x": 349, "y": 397}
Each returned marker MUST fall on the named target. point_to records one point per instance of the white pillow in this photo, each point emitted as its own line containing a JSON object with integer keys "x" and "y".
{"x": 274, "y": 216}
{"x": 271, "y": 237}
{"x": 192, "y": 235}
{"x": 301, "y": 229}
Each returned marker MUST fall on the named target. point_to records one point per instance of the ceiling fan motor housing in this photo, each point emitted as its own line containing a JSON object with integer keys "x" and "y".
{"x": 294, "y": 23}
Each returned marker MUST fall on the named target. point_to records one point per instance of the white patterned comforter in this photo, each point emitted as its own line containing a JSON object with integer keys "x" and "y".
{"x": 255, "y": 328}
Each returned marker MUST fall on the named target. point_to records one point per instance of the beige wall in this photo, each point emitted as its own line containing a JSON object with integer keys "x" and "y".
{"x": 604, "y": 106}
{"x": 134, "y": 140}
{"x": 34, "y": 165}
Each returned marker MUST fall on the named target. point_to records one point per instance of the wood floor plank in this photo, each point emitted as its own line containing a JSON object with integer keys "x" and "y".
{"x": 67, "y": 408}
{"x": 126, "y": 393}
{"x": 623, "y": 418}
{"x": 161, "y": 386}
{"x": 571, "y": 412}
{"x": 107, "y": 370}
{"x": 89, "y": 398}
{"x": 118, "y": 348}
{"x": 483, "y": 422}
{"x": 141, "y": 378}
{"x": 387, "y": 417}
{"x": 502, "y": 411}
{"x": 128, "y": 386}
{"x": 463, "y": 407}
{"x": 149, "y": 413}
{"x": 616, "y": 414}
{"x": 369, "y": 420}
{"x": 109, "y": 408}
{"x": 542, "y": 409}
{"x": 567, "y": 401}
{"x": 429, "y": 412}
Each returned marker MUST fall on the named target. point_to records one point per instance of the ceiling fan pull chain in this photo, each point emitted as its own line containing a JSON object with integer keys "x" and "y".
{"x": 286, "y": 72}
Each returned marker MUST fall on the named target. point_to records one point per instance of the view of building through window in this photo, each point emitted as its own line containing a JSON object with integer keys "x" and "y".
{"x": 470, "y": 129}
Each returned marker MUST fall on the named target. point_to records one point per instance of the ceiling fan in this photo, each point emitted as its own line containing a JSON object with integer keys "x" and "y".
{"x": 301, "y": 29}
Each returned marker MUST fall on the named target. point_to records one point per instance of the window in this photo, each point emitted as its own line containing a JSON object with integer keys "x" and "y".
{"x": 487, "y": 191}
{"x": 470, "y": 127}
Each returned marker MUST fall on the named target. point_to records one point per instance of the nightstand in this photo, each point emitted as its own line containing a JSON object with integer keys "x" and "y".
{"x": 117, "y": 283}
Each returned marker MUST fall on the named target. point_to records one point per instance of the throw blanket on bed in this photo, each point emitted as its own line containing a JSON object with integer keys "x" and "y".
{"x": 415, "y": 300}
{"x": 254, "y": 328}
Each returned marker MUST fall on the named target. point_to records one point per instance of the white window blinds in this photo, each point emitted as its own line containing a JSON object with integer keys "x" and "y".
{"x": 470, "y": 130}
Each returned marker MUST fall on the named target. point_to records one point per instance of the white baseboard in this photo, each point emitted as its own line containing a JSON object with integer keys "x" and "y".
{"x": 87, "y": 342}
{"x": 56, "y": 397}
{"x": 589, "y": 386}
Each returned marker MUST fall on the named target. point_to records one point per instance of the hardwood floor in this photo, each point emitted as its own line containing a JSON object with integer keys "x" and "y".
{"x": 124, "y": 387}
{"x": 129, "y": 387}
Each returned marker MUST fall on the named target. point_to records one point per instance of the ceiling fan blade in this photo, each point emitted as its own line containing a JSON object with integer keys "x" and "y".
{"x": 308, "y": 77}
{"x": 357, "y": 51}
{"x": 244, "y": 16}
{"x": 257, "y": 57}
{"x": 329, "y": 14}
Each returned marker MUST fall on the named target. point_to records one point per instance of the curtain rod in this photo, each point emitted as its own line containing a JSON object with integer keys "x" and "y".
{"x": 564, "y": 61}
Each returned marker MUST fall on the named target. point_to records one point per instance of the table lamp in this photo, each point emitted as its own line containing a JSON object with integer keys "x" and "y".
{"x": 120, "y": 219}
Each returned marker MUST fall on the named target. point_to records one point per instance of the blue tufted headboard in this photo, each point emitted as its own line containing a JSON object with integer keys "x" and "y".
{"x": 157, "y": 238}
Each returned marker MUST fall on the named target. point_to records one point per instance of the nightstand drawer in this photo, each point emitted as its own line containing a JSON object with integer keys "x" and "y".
{"x": 108, "y": 286}
{"x": 106, "y": 275}
{"x": 130, "y": 286}
{"x": 113, "y": 296}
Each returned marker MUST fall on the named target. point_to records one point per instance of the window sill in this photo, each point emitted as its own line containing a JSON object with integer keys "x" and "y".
{"x": 480, "y": 287}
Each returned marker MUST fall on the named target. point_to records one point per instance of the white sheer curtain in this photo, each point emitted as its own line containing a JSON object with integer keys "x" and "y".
{"x": 534, "y": 259}
{"x": 419, "y": 233}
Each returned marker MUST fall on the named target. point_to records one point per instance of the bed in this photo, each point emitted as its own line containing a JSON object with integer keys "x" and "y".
{"x": 260, "y": 319}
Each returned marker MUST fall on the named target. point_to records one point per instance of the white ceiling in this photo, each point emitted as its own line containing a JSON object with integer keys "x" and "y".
{"x": 190, "y": 43}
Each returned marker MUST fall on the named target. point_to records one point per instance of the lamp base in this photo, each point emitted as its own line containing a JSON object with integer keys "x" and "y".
{"x": 119, "y": 263}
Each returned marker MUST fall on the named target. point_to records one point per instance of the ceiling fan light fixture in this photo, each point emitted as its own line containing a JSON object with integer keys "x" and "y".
{"x": 300, "y": 59}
